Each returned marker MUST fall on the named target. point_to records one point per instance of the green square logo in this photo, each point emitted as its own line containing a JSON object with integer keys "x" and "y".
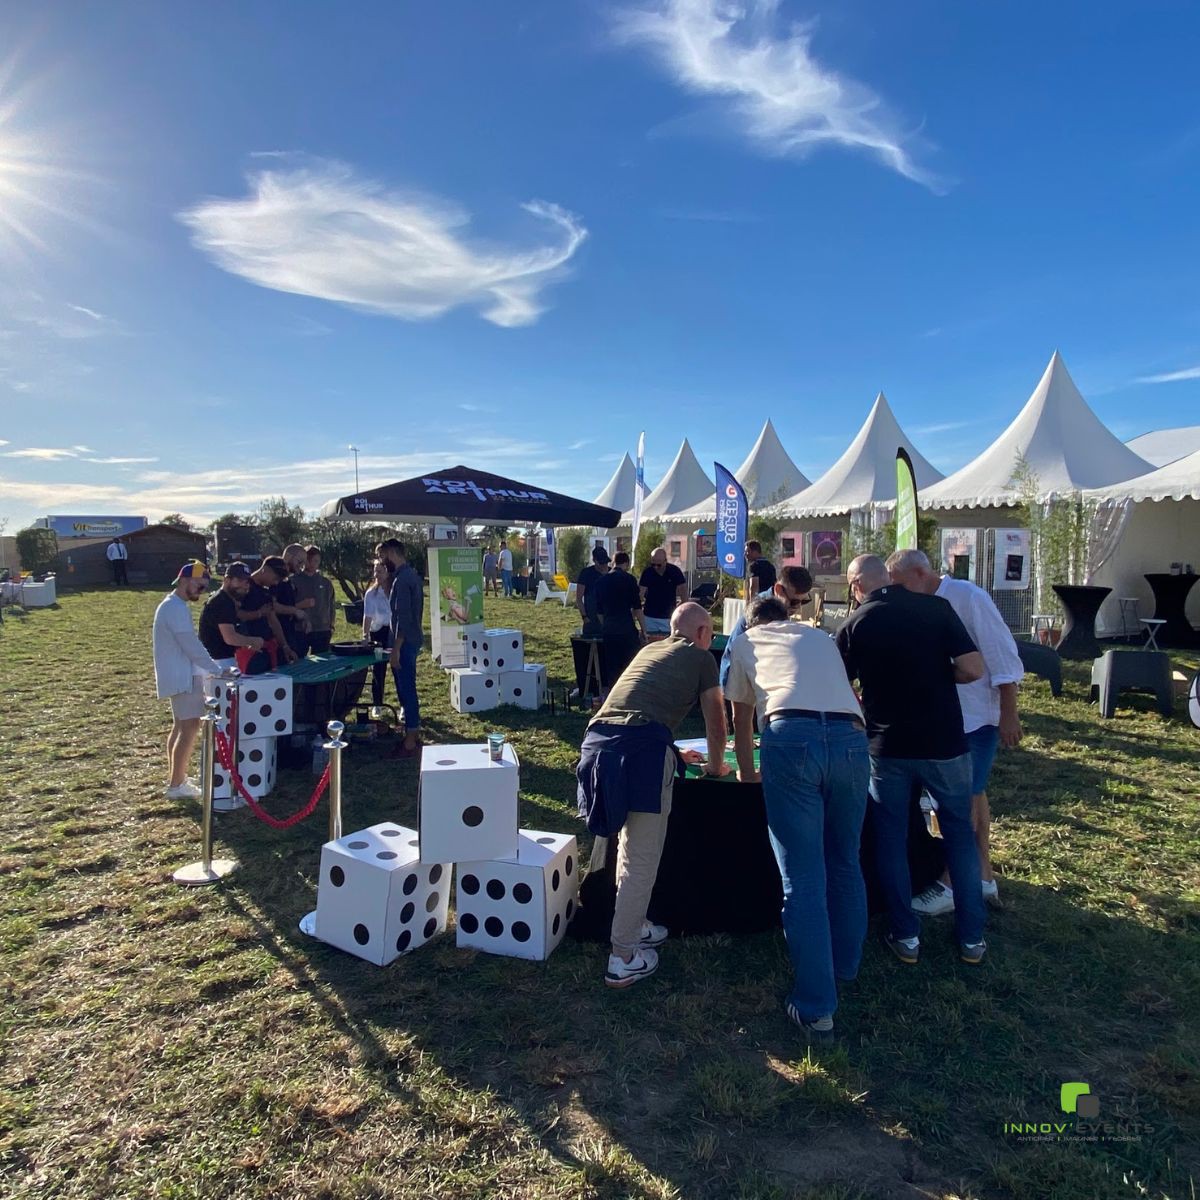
{"x": 1077, "y": 1098}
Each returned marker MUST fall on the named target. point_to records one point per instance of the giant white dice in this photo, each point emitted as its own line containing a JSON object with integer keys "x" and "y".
{"x": 473, "y": 691}
{"x": 520, "y": 909}
{"x": 456, "y": 644}
{"x": 264, "y": 705}
{"x": 376, "y": 899}
{"x": 525, "y": 688}
{"x": 468, "y": 804}
{"x": 498, "y": 650}
{"x": 256, "y": 766}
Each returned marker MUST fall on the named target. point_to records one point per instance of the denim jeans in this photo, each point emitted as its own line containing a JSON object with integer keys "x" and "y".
{"x": 815, "y": 774}
{"x": 506, "y": 577}
{"x": 893, "y": 781}
{"x": 405, "y": 674}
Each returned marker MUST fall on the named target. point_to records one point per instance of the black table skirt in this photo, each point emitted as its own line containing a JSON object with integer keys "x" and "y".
{"x": 1170, "y": 602}
{"x": 718, "y": 872}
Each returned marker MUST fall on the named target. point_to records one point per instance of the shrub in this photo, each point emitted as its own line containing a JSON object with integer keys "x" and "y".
{"x": 38, "y": 549}
{"x": 572, "y": 552}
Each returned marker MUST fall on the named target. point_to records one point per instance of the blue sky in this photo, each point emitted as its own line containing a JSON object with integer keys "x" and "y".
{"x": 237, "y": 237}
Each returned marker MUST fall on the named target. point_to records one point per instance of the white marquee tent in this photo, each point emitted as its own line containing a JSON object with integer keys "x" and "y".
{"x": 866, "y": 472}
{"x": 618, "y": 493}
{"x": 684, "y": 487}
{"x": 768, "y": 474}
{"x": 1166, "y": 445}
{"x": 1064, "y": 443}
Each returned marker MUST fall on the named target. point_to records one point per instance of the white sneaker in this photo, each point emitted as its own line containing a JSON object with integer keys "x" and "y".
{"x": 991, "y": 893}
{"x": 184, "y": 791}
{"x": 936, "y": 900}
{"x": 653, "y": 935}
{"x": 621, "y": 974}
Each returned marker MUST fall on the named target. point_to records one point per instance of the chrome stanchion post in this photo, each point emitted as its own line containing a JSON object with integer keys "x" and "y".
{"x": 206, "y": 870}
{"x": 335, "y": 746}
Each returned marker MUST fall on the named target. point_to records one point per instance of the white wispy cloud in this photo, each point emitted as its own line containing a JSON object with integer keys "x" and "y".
{"x": 765, "y": 84}
{"x": 477, "y": 408}
{"x": 45, "y": 453}
{"x": 119, "y": 461}
{"x": 84, "y": 450}
{"x": 320, "y": 229}
{"x": 942, "y": 427}
{"x": 1171, "y": 376}
{"x": 89, "y": 312}
{"x": 579, "y": 445}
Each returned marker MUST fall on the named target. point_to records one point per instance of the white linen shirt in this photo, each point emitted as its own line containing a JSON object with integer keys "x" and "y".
{"x": 377, "y": 608}
{"x": 785, "y": 664}
{"x": 980, "y": 701}
{"x": 178, "y": 651}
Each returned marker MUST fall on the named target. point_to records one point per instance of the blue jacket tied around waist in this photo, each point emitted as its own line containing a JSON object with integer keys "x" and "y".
{"x": 621, "y": 771}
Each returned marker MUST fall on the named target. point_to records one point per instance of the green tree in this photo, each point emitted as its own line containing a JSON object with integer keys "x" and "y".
{"x": 38, "y": 549}
{"x": 177, "y": 521}
{"x": 650, "y": 536}
{"x": 765, "y": 530}
{"x": 281, "y": 523}
{"x": 881, "y": 541}
{"x": 572, "y": 552}
{"x": 515, "y": 541}
{"x": 495, "y": 535}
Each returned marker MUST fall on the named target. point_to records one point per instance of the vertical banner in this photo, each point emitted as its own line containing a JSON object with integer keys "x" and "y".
{"x": 455, "y": 595}
{"x": 906, "y": 502}
{"x": 639, "y": 487}
{"x": 731, "y": 523}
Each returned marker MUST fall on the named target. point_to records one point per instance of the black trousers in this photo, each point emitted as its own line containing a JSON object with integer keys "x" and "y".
{"x": 118, "y": 566}
{"x": 618, "y": 654}
{"x": 380, "y": 637}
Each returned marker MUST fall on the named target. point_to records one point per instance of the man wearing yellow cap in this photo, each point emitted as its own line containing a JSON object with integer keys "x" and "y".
{"x": 181, "y": 664}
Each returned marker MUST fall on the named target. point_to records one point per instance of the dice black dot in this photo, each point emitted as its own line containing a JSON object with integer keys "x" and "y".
{"x": 472, "y": 816}
{"x": 469, "y": 884}
{"x": 522, "y": 893}
{"x": 431, "y": 902}
{"x": 555, "y": 880}
{"x": 570, "y": 866}
{"x": 570, "y": 908}
{"x": 494, "y": 926}
{"x": 410, "y": 884}
{"x": 468, "y": 922}
{"x": 402, "y": 942}
{"x": 337, "y": 876}
{"x": 362, "y": 935}
{"x": 358, "y": 845}
{"x": 386, "y": 854}
{"x": 520, "y": 931}
{"x": 495, "y": 889}
{"x": 407, "y": 912}
{"x": 435, "y": 873}
{"x": 554, "y": 928}
{"x": 280, "y": 693}
{"x": 430, "y": 928}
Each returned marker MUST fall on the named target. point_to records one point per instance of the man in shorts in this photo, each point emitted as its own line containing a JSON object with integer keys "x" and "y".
{"x": 181, "y": 665}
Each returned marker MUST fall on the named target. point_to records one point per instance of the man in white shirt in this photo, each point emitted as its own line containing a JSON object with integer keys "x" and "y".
{"x": 181, "y": 665}
{"x": 117, "y": 555}
{"x": 815, "y": 773}
{"x": 506, "y": 569}
{"x": 989, "y": 705}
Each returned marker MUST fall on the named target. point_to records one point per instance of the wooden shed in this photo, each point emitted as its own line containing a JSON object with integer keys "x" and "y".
{"x": 155, "y": 555}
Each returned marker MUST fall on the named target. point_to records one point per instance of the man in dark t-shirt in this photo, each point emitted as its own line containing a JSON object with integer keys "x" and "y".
{"x": 219, "y": 617}
{"x": 909, "y": 655}
{"x": 619, "y": 604}
{"x": 663, "y": 587}
{"x": 760, "y": 571}
{"x": 585, "y": 592}
{"x": 257, "y": 619}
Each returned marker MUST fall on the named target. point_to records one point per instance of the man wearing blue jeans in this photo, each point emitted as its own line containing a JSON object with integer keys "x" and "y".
{"x": 506, "y": 569}
{"x": 908, "y": 651}
{"x": 407, "y": 604}
{"x": 815, "y": 771}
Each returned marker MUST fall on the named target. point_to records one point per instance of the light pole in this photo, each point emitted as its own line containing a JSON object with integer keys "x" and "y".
{"x": 354, "y": 451}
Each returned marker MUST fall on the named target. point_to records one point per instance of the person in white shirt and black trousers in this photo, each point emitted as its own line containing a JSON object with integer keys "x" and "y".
{"x": 377, "y": 622}
{"x": 118, "y": 555}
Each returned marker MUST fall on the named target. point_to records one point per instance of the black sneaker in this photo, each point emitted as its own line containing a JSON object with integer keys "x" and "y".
{"x": 819, "y": 1031}
{"x": 972, "y": 953}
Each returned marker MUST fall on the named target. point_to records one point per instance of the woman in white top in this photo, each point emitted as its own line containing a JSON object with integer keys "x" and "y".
{"x": 377, "y": 622}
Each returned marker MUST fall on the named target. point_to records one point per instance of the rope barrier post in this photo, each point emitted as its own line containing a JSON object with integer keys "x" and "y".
{"x": 335, "y": 746}
{"x": 207, "y": 870}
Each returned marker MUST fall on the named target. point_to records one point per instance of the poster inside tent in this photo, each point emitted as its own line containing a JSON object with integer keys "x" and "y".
{"x": 1011, "y": 572}
{"x": 825, "y": 557}
{"x": 960, "y": 552}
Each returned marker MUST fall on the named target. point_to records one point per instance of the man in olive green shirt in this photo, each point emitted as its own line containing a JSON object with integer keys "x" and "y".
{"x": 314, "y": 595}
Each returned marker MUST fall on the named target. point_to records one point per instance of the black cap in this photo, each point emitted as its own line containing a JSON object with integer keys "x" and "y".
{"x": 237, "y": 570}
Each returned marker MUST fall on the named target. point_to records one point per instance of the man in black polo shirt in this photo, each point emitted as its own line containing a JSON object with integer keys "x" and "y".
{"x": 619, "y": 603}
{"x": 585, "y": 592}
{"x": 663, "y": 586}
{"x": 760, "y": 575}
{"x": 909, "y": 654}
{"x": 219, "y": 618}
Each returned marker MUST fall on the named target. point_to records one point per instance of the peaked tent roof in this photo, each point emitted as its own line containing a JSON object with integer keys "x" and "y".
{"x": 1178, "y": 480}
{"x": 866, "y": 472}
{"x": 1065, "y": 444}
{"x": 618, "y": 492}
{"x": 685, "y": 486}
{"x": 1166, "y": 445}
{"x": 464, "y": 494}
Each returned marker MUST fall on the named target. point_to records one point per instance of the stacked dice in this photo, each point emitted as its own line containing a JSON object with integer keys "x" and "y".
{"x": 264, "y": 714}
{"x": 384, "y": 891}
{"x": 496, "y": 673}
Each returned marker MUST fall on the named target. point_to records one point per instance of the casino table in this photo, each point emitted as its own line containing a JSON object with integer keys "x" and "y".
{"x": 327, "y": 686}
{"x": 718, "y": 872}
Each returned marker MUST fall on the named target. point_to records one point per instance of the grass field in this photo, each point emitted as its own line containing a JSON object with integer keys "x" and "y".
{"x": 176, "y": 1043}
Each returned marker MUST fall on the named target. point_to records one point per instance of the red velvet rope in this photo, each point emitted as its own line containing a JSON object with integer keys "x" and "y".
{"x": 225, "y": 754}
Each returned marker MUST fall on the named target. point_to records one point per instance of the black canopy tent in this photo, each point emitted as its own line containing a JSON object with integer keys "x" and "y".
{"x": 461, "y": 495}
